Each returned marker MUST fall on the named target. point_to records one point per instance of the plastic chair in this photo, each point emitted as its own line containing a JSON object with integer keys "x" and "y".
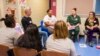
{"x": 94, "y": 34}
{"x": 43, "y": 28}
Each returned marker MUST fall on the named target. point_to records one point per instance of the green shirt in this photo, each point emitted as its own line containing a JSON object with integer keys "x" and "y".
{"x": 73, "y": 20}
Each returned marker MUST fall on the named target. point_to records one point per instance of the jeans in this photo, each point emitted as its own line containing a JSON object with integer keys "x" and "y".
{"x": 44, "y": 36}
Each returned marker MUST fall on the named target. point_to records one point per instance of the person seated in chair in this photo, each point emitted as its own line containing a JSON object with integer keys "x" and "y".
{"x": 31, "y": 39}
{"x": 26, "y": 20}
{"x": 73, "y": 22}
{"x": 8, "y": 34}
{"x": 91, "y": 26}
{"x": 49, "y": 21}
{"x": 59, "y": 41}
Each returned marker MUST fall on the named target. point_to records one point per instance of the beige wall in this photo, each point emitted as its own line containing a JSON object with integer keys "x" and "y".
{"x": 39, "y": 8}
{"x": 1, "y": 8}
{"x": 1, "y": 12}
{"x": 61, "y": 16}
{"x": 83, "y": 6}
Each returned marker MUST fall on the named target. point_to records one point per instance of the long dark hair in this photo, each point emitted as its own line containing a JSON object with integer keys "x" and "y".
{"x": 31, "y": 38}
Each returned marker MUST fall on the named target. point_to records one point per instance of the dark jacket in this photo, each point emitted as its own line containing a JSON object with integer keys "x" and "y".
{"x": 26, "y": 21}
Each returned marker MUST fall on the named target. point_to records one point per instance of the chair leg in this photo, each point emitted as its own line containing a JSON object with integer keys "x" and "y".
{"x": 78, "y": 38}
{"x": 97, "y": 38}
{"x": 85, "y": 38}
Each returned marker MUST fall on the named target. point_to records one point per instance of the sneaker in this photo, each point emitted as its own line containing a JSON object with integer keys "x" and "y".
{"x": 91, "y": 44}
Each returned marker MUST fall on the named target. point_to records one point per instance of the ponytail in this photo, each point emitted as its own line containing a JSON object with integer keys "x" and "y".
{"x": 2, "y": 19}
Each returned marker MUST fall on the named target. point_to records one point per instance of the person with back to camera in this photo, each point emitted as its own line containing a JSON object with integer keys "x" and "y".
{"x": 31, "y": 39}
{"x": 59, "y": 41}
{"x": 18, "y": 27}
{"x": 8, "y": 34}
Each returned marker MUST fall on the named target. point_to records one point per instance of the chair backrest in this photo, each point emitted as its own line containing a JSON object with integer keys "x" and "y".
{"x": 3, "y": 50}
{"x": 52, "y": 53}
{"x": 24, "y": 52}
{"x": 41, "y": 23}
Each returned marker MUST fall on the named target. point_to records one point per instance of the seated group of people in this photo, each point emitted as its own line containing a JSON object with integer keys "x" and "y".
{"x": 62, "y": 34}
{"x": 91, "y": 26}
{"x": 73, "y": 22}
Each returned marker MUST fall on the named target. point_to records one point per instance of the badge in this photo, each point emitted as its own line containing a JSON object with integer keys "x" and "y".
{"x": 94, "y": 21}
{"x": 30, "y": 21}
{"x": 76, "y": 19}
{"x": 73, "y": 33}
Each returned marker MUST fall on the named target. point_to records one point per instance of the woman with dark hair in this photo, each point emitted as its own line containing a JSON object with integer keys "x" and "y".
{"x": 91, "y": 26}
{"x": 30, "y": 39}
{"x": 8, "y": 34}
{"x": 18, "y": 28}
{"x": 59, "y": 40}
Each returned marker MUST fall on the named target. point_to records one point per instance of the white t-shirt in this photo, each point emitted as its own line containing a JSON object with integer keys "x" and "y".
{"x": 6, "y": 34}
{"x": 61, "y": 45}
{"x": 51, "y": 20}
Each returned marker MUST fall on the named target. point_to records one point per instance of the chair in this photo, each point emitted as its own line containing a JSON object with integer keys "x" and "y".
{"x": 24, "y": 52}
{"x": 97, "y": 37}
{"x": 52, "y": 53}
{"x": 44, "y": 28}
{"x": 3, "y": 50}
{"x": 94, "y": 34}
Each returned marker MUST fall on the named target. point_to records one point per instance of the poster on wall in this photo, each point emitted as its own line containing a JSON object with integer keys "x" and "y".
{"x": 11, "y": 5}
{"x": 22, "y": 3}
